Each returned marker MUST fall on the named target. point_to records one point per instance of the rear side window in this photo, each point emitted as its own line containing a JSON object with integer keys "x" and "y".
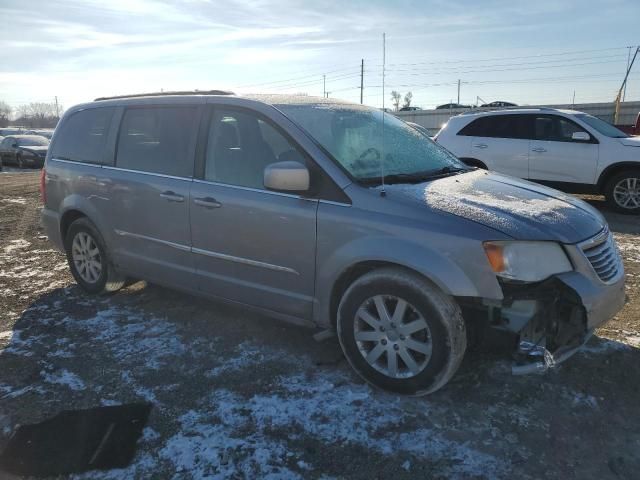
{"x": 499, "y": 126}
{"x": 83, "y": 136}
{"x": 157, "y": 140}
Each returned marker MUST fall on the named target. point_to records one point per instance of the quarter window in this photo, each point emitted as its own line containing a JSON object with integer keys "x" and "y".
{"x": 157, "y": 140}
{"x": 240, "y": 145}
{"x": 83, "y": 136}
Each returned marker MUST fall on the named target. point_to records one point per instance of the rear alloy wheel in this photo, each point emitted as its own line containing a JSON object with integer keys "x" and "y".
{"x": 401, "y": 333}
{"x": 623, "y": 192}
{"x": 88, "y": 259}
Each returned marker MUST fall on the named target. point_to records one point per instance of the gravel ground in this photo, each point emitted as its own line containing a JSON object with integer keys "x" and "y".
{"x": 239, "y": 395}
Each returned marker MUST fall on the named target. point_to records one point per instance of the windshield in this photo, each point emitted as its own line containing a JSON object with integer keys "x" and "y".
{"x": 32, "y": 142}
{"x": 353, "y": 136}
{"x": 601, "y": 126}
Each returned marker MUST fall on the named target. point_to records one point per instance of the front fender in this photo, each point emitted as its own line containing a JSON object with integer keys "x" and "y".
{"x": 437, "y": 266}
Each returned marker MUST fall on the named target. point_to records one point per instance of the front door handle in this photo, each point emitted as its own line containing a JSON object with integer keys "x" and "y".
{"x": 207, "y": 202}
{"x": 480, "y": 145}
{"x": 539, "y": 149}
{"x": 172, "y": 196}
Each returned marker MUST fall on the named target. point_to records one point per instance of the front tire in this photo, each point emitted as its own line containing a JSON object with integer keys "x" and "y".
{"x": 623, "y": 192}
{"x": 89, "y": 260}
{"x": 401, "y": 333}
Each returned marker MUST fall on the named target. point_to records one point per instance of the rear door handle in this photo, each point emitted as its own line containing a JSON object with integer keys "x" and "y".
{"x": 207, "y": 202}
{"x": 172, "y": 196}
{"x": 480, "y": 145}
{"x": 539, "y": 149}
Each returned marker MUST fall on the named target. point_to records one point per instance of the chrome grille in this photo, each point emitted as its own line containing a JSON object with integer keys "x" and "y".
{"x": 602, "y": 253}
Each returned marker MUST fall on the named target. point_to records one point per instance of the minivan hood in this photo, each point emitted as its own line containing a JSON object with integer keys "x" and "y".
{"x": 630, "y": 141}
{"x": 520, "y": 209}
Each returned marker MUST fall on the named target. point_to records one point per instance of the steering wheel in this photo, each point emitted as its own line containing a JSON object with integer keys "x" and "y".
{"x": 368, "y": 151}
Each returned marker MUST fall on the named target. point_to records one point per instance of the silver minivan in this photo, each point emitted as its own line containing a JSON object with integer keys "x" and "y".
{"x": 332, "y": 215}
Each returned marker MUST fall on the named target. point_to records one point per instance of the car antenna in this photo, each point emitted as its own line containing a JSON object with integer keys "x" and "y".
{"x": 383, "y": 192}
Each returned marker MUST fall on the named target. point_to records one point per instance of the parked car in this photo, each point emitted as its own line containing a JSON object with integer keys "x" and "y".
{"x": 421, "y": 129}
{"x": 569, "y": 150}
{"x": 11, "y": 131}
{"x": 44, "y": 132}
{"x": 279, "y": 203}
{"x": 24, "y": 150}
{"x": 410, "y": 109}
{"x": 499, "y": 104}
{"x": 632, "y": 130}
{"x": 451, "y": 106}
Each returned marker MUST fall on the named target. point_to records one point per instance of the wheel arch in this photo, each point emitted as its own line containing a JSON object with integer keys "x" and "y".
{"x": 76, "y": 206}
{"x": 612, "y": 170}
{"x": 354, "y": 259}
{"x": 357, "y": 270}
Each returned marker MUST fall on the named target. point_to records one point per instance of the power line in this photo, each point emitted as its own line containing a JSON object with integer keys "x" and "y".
{"x": 542, "y": 55}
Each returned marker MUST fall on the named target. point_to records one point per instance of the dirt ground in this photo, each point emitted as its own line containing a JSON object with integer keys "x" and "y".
{"x": 239, "y": 395}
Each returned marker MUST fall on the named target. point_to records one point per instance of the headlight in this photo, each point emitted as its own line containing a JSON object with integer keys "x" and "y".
{"x": 527, "y": 261}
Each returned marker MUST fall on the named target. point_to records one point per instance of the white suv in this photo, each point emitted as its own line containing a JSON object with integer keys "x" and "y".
{"x": 569, "y": 150}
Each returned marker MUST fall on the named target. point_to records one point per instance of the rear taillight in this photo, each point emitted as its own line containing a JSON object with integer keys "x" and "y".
{"x": 43, "y": 187}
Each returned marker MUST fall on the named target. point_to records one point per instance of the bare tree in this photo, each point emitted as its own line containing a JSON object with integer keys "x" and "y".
{"x": 395, "y": 99}
{"x": 5, "y": 113}
{"x": 407, "y": 99}
{"x": 38, "y": 115}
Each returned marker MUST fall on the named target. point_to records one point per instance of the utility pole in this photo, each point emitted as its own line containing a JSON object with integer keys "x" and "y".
{"x": 624, "y": 93}
{"x": 57, "y": 111}
{"x": 573, "y": 102}
{"x": 361, "y": 80}
{"x": 458, "y": 91}
{"x": 324, "y": 86}
{"x": 616, "y": 114}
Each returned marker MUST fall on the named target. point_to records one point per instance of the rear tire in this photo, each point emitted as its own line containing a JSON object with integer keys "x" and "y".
{"x": 622, "y": 192}
{"x": 417, "y": 348}
{"x": 89, "y": 260}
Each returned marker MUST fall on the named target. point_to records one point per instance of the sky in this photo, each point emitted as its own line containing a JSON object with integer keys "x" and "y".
{"x": 525, "y": 52}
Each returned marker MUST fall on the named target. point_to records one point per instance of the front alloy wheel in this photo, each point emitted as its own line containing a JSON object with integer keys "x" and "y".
{"x": 400, "y": 332}
{"x": 392, "y": 336}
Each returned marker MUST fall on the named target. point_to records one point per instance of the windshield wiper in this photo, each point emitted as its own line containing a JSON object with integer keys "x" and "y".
{"x": 415, "y": 177}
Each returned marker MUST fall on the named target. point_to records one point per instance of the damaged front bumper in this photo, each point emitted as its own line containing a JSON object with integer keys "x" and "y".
{"x": 547, "y": 322}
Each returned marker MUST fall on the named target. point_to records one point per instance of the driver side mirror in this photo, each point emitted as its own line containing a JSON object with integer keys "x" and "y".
{"x": 580, "y": 136}
{"x": 288, "y": 176}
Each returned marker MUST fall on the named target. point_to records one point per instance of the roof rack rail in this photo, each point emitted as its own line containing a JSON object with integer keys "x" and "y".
{"x": 163, "y": 94}
{"x": 502, "y": 109}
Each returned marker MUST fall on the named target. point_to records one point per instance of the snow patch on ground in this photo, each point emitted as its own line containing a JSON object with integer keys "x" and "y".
{"x": 16, "y": 245}
{"x": 64, "y": 377}
{"x": 628, "y": 246}
{"x": 16, "y": 200}
{"x": 130, "y": 334}
{"x": 246, "y": 354}
{"x": 604, "y": 346}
